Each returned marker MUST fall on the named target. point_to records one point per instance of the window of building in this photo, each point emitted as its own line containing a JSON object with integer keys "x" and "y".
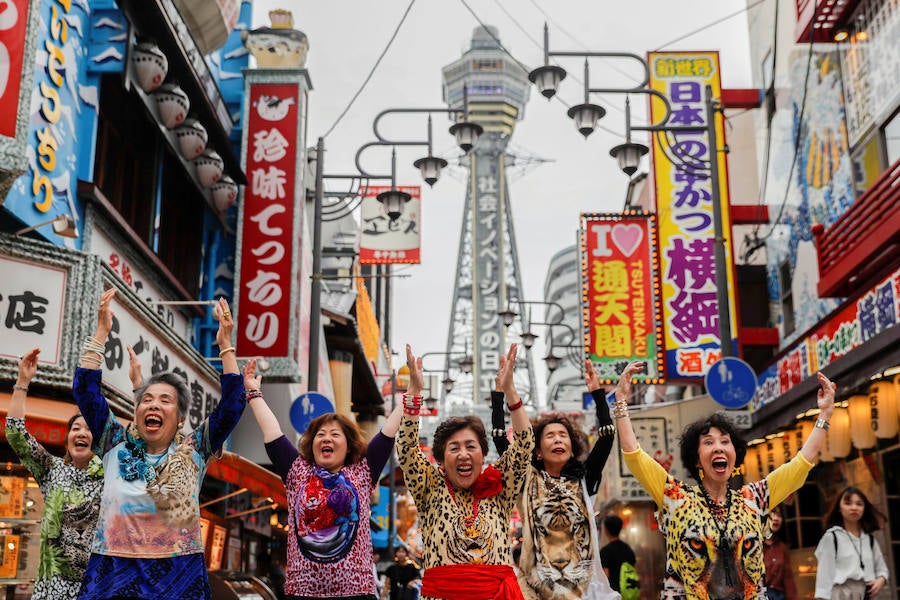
{"x": 147, "y": 184}
{"x": 787, "y": 297}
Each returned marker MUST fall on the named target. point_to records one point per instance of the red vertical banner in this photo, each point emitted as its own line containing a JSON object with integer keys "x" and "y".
{"x": 267, "y": 226}
{"x": 620, "y": 294}
{"x": 13, "y": 21}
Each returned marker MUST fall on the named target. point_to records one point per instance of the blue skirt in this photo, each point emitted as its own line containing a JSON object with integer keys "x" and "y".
{"x": 176, "y": 578}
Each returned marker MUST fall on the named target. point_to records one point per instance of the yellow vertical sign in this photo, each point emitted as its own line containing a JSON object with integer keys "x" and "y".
{"x": 684, "y": 206}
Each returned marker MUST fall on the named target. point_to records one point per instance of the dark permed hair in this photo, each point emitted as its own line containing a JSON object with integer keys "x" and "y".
{"x": 356, "y": 444}
{"x": 869, "y": 520}
{"x": 577, "y": 437}
{"x": 690, "y": 441}
{"x": 450, "y": 426}
{"x": 182, "y": 392}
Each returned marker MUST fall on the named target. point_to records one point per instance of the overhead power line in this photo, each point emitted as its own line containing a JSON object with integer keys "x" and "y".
{"x": 372, "y": 71}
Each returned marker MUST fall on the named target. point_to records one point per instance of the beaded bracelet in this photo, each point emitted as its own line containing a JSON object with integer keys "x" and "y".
{"x": 252, "y": 394}
{"x": 21, "y": 388}
{"x": 412, "y": 401}
{"x": 620, "y": 409}
{"x": 498, "y": 433}
{"x": 515, "y": 406}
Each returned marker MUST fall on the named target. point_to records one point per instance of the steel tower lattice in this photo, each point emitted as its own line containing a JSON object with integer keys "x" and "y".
{"x": 494, "y": 88}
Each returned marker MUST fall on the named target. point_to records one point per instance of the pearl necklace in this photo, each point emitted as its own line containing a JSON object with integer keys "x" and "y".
{"x": 557, "y": 483}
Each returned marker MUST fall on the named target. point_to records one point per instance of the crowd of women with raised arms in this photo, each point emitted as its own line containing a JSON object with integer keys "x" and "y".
{"x": 122, "y": 515}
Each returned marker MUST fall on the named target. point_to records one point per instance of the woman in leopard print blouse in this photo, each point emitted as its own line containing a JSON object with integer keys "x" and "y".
{"x": 71, "y": 487}
{"x": 465, "y": 511}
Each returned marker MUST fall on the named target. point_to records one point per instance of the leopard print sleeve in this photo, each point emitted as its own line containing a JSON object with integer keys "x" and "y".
{"x": 417, "y": 471}
{"x": 515, "y": 462}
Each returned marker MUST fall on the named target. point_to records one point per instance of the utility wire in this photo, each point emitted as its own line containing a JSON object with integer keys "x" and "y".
{"x": 372, "y": 71}
{"x": 708, "y": 25}
{"x": 518, "y": 62}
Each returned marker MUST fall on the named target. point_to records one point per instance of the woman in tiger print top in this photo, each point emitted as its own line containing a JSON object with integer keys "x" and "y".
{"x": 465, "y": 511}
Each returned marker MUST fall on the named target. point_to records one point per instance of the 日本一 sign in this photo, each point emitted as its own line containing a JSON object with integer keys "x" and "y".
{"x": 685, "y": 210}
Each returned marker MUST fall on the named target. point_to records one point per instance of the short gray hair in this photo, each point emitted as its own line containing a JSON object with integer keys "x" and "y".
{"x": 182, "y": 392}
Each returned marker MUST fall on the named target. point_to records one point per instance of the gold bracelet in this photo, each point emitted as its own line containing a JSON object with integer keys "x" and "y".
{"x": 620, "y": 409}
{"x": 225, "y": 350}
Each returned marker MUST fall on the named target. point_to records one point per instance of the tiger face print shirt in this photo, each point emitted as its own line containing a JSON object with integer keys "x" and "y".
{"x": 447, "y": 538}
{"x": 557, "y": 556}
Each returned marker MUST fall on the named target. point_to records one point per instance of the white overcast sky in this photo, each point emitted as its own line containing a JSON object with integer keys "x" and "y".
{"x": 347, "y": 36}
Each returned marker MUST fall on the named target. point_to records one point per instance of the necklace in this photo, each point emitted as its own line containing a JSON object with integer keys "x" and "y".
{"x": 471, "y": 523}
{"x": 857, "y": 548}
{"x": 719, "y": 511}
{"x": 557, "y": 483}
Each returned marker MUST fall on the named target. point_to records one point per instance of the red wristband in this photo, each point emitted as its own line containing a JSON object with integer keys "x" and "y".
{"x": 515, "y": 406}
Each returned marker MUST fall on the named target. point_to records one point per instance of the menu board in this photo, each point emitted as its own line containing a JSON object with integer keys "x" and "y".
{"x": 9, "y": 555}
{"x": 12, "y": 495}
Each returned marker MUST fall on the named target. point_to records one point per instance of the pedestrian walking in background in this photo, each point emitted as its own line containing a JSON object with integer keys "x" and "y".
{"x": 402, "y": 579}
{"x": 615, "y": 553}
{"x": 851, "y": 566}
{"x": 780, "y": 583}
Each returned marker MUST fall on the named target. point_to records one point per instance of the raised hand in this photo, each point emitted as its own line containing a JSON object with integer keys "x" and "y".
{"x": 252, "y": 381}
{"x": 591, "y": 379}
{"x": 134, "y": 369}
{"x": 825, "y": 396}
{"x": 226, "y": 323}
{"x": 105, "y": 315}
{"x": 416, "y": 378}
{"x": 28, "y": 367}
{"x": 504, "y": 380}
{"x": 623, "y": 387}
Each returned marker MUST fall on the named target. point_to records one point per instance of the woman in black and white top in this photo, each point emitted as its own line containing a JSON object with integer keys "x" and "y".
{"x": 851, "y": 566}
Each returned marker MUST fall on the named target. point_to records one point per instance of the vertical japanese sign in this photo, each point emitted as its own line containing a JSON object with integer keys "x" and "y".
{"x": 13, "y": 22}
{"x": 267, "y": 231}
{"x": 32, "y": 297}
{"x": 685, "y": 208}
{"x": 620, "y": 294}
{"x": 383, "y": 241}
{"x": 487, "y": 246}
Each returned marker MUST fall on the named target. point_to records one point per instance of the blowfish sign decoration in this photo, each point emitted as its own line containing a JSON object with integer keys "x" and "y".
{"x": 268, "y": 221}
{"x": 620, "y": 294}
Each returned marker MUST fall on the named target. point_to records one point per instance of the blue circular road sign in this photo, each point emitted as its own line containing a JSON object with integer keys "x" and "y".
{"x": 307, "y": 407}
{"x": 731, "y": 382}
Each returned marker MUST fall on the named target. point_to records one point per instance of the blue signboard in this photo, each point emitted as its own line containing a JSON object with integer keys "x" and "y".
{"x": 307, "y": 407}
{"x": 731, "y": 382}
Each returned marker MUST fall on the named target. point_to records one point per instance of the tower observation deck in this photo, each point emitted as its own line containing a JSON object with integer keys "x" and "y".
{"x": 495, "y": 89}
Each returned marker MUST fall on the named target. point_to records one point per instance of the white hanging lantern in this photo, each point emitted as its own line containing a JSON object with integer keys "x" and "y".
{"x": 192, "y": 138}
{"x": 861, "y": 422}
{"x": 799, "y": 435}
{"x": 150, "y": 65}
{"x": 753, "y": 464}
{"x": 883, "y": 403}
{"x": 838, "y": 438}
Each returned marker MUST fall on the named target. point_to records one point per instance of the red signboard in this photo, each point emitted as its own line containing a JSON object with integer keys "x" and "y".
{"x": 620, "y": 292}
{"x": 267, "y": 228}
{"x": 13, "y": 19}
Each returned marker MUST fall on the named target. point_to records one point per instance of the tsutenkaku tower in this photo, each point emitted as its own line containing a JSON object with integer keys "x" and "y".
{"x": 487, "y": 271}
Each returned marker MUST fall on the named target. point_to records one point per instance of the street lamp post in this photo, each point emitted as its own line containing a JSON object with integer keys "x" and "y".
{"x": 628, "y": 155}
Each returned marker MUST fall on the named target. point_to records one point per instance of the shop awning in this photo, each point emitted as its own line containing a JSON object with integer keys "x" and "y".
{"x": 242, "y": 472}
{"x": 45, "y": 419}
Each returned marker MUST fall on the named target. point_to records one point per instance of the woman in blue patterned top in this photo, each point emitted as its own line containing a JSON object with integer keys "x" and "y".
{"x": 71, "y": 487}
{"x": 148, "y": 544}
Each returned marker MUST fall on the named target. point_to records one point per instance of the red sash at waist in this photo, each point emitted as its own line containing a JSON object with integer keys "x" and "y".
{"x": 471, "y": 582}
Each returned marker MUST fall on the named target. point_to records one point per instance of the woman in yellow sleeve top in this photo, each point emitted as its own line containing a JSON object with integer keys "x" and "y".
{"x": 714, "y": 534}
